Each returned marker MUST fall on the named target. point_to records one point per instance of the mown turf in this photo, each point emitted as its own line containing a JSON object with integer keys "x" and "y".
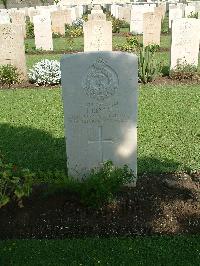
{"x": 32, "y": 128}
{"x": 161, "y": 57}
{"x": 32, "y": 59}
{"x": 115, "y": 251}
{"x": 64, "y": 44}
{"x": 169, "y": 128}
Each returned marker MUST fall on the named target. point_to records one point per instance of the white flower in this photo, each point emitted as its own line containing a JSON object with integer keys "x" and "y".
{"x": 45, "y": 72}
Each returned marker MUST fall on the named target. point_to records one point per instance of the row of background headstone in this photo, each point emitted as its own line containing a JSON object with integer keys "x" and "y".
{"x": 98, "y": 36}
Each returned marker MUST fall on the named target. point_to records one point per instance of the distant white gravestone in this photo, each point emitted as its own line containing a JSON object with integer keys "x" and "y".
{"x": 174, "y": 13}
{"x": 12, "y": 49}
{"x": 97, "y": 33}
{"x": 4, "y": 18}
{"x": 151, "y": 28}
{"x": 185, "y": 42}
{"x": 100, "y": 110}
{"x": 42, "y": 32}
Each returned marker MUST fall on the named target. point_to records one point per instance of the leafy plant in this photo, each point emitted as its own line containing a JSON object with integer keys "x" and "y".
{"x": 148, "y": 67}
{"x": 185, "y": 71}
{"x": 154, "y": 48}
{"x": 165, "y": 25}
{"x": 44, "y": 2}
{"x": 15, "y": 183}
{"x": 102, "y": 184}
{"x": 57, "y": 35}
{"x": 70, "y": 42}
{"x": 116, "y": 23}
{"x": 29, "y": 30}
{"x": 132, "y": 44}
{"x": 85, "y": 17}
{"x": 73, "y": 31}
{"x": 45, "y": 72}
{"x": 9, "y": 75}
{"x": 193, "y": 15}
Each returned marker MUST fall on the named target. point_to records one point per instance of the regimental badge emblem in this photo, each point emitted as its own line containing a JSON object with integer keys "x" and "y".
{"x": 101, "y": 81}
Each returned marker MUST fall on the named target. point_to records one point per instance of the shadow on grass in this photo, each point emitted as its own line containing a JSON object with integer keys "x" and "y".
{"x": 155, "y": 165}
{"x": 40, "y": 151}
{"x": 32, "y": 148}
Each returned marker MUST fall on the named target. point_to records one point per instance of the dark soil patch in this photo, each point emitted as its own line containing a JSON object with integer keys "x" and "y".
{"x": 25, "y": 85}
{"x": 158, "y": 81}
{"x": 173, "y": 82}
{"x": 162, "y": 204}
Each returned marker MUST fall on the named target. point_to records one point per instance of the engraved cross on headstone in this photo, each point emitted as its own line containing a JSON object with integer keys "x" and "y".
{"x": 100, "y": 142}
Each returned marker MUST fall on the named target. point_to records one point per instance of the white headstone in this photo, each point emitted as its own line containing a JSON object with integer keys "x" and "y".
{"x": 4, "y": 18}
{"x": 18, "y": 18}
{"x": 185, "y": 42}
{"x": 42, "y": 32}
{"x": 125, "y": 14}
{"x": 12, "y": 50}
{"x": 100, "y": 110}
{"x": 151, "y": 28}
{"x": 97, "y": 35}
{"x": 136, "y": 24}
{"x": 32, "y": 12}
{"x": 58, "y": 21}
{"x": 189, "y": 10}
{"x": 174, "y": 13}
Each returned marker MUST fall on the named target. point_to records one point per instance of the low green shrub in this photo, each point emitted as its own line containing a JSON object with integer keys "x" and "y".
{"x": 97, "y": 189}
{"x": 154, "y": 48}
{"x": 101, "y": 185}
{"x": 132, "y": 44}
{"x": 193, "y": 15}
{"x": 57, "y": 35}
{"x": 185, "y": 72}
{"x": 165, "y": 25}
{"x": 75, "y": 30}
{"x": 9, "y": 75}
{"x": 124, "y": 24}
{"x": 148, "y": 67}
{"x": 85, "y": 17}
{"x": 116, "y": 23}
{"x": 15, "y": 183}
{"x": 29, "y": 30}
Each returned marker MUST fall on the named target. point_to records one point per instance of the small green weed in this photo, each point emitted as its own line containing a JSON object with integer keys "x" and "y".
{"x": 148, "y": 67}
{"x": 185, "y": 72}
{"x": 15, "y": 183}
{"x": 9, "y": 75}
{"x": 101, "y": 185}
{"x": 30, "y": 30}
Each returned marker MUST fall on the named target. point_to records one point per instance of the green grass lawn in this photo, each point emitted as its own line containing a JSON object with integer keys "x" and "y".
{"x": 32, "y": 129}
{"x": 113, "y": 251}
{"x": 163, "y": 57}
{"x": 32, "y": 59}
{"x": 63, "y": 44}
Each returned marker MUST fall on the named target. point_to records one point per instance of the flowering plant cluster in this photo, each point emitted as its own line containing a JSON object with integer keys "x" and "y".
{"x": 78, "y": 22}
{"x": 45, "y": 72}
